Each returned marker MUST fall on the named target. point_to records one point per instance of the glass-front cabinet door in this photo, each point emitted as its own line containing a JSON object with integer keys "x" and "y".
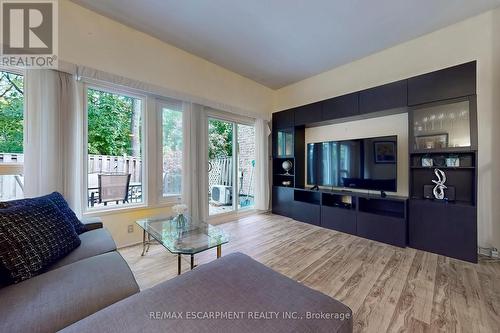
{"x": 443, "y": 126}
{"x": 284, "y": 143}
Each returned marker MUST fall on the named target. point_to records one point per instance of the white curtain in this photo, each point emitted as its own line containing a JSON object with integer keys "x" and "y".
{"x": 97, "y": 76}
{"x": 43, "y": 151}
{"x": 191, "y": 172}
{"x": 73, "y": 134}
{"x": 262, "y": 133}
{"x": 52, "y": 135}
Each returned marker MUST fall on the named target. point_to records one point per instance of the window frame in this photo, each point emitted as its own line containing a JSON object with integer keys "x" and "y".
{"x": 114, "y": 89}
{"x": 174, "y": 198}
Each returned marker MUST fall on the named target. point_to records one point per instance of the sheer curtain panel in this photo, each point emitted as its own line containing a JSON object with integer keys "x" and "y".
{"x": 192, "y": 162}
{"x": 53, "y": 135}
{"x": 262, "y": 133}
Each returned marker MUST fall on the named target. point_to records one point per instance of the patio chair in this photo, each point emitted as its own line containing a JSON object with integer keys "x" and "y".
{"x": 113, "y": 187}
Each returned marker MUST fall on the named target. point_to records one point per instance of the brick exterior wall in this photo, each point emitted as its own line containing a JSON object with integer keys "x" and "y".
{"x": 246, "y": 143}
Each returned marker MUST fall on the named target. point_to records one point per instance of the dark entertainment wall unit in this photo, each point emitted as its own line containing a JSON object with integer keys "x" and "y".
{"x": 442, "y": 118}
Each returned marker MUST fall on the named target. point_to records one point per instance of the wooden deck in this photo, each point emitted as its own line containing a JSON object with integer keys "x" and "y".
{"x": 389, "y": 289}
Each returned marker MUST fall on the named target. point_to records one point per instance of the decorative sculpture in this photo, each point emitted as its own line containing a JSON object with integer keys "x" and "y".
{"x": 438, "y": 190}
{"x": 287, "y": 166}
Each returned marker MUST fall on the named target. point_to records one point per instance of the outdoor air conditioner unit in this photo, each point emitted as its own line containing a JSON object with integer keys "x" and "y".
{"x": 221, "y": 194}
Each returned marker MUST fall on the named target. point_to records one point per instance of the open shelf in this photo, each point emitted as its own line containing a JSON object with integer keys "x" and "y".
{"x": 338, "y": 200}
{"x": 307, "y": 196}
{"x": 455, "y": 150}
{"x": 462, "y": 179}
{"x": 445, "y": 202}
{"x": 443, "y": 168}
{"x": 389, "y": 208}
{"x": 466, "y": 160}
{"x": 283, "y": 180}
{"x": 277, "y": 166}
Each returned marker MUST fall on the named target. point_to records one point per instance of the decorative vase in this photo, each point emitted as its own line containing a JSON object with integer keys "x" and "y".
{"x": 180, "y": 221}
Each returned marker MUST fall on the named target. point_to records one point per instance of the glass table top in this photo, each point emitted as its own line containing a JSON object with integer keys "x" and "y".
{"x": 183, "y": 234}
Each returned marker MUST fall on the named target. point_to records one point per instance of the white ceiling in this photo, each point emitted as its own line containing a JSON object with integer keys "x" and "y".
{"x": 279, "y": 42}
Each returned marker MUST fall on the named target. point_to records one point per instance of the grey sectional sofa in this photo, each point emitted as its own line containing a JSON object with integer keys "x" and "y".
{"x": 93, "y": 290}
{"x": 87, "y": 280}
{"x": 234, "y": 285}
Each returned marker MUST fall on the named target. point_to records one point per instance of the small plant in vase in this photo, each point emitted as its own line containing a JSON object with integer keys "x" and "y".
{"x": 179, "y": 211}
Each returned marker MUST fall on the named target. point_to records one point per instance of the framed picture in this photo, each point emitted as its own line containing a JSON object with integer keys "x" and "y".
{"x": 384, "y": 151}
{"x": 453, "y": 161}
{"x": 436, "y": 141}
{"x": 427, "y": 162}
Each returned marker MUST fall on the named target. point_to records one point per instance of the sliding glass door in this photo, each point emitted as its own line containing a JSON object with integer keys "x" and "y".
{"x": 220, "y": 166}
{"x": 231, "y": 165}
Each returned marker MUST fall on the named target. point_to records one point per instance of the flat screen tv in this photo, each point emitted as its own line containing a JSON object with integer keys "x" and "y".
{"x": 369, "y": 163}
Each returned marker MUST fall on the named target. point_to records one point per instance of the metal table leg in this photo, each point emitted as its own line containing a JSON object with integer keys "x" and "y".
{"x": 192, "y": 261}
{"x": 143, "y": 242}
{"x": 149, "y": 243}
{"x": 179, "y": 264}
{"x": 219, "y": 251}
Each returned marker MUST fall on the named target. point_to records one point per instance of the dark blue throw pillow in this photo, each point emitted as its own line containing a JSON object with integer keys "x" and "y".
{"x": 32, "y": 238}
{"x": 57, "y": 199}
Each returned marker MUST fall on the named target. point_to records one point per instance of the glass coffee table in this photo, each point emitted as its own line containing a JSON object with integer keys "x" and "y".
{"x": 183, "y": 235}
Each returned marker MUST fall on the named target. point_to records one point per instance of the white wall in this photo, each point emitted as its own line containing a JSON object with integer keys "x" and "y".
{"x": 92, "y": 40}
{"x": 87, "y": 38}
{"x": 381, "y": 126}
{"x": 117, "y": 223}
{"x": 476, "y": 38}
{"x": 491, "y": 223}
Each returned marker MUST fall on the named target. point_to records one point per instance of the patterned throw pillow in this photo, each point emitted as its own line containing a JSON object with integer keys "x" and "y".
{"x": 55, "y": 198}
{"x": 32, "y": 238}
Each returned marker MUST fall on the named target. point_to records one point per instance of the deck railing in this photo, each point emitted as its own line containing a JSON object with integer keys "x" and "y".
{"x": 220, "y": 172}
{"x": 11, "y": 178}
{"x": 116, "y": 164}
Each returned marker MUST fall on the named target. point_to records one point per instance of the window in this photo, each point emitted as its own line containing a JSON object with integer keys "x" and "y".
{"x": 11, "y": 135}
{"x": 172, "y": 147}
{"x": 114, "y": 148}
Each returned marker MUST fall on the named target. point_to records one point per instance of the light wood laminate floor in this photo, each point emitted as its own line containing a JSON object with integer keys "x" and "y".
{"x": 389, "y": 289}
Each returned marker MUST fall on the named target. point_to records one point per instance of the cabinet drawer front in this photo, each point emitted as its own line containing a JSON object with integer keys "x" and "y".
{"x": 381, "y": 228}
{"x": 306, "y": 212}
{"x": 386, "y": 97}
{"x": 453, "y": 82}
{"x": 446, "y": 229}
{"x": 283, "y": 119}
{"x": 340, "y": 219}
{"x": 283, "y": 201}
{"x": 341, "y": 107}
{"x": 308, "y": 114}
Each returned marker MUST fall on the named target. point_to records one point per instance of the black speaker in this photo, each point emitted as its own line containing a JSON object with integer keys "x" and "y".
{"x": 449, "y": 193}
{"x": 428, "y": 191}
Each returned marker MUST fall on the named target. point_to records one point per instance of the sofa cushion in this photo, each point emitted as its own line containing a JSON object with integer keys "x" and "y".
{"x": 57, "y": 199}
{"x": 234, "y": 284}
{"x": 56, "y": 299}
{"x": 32, "y": 238}
{"x": 93, "y": 243}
